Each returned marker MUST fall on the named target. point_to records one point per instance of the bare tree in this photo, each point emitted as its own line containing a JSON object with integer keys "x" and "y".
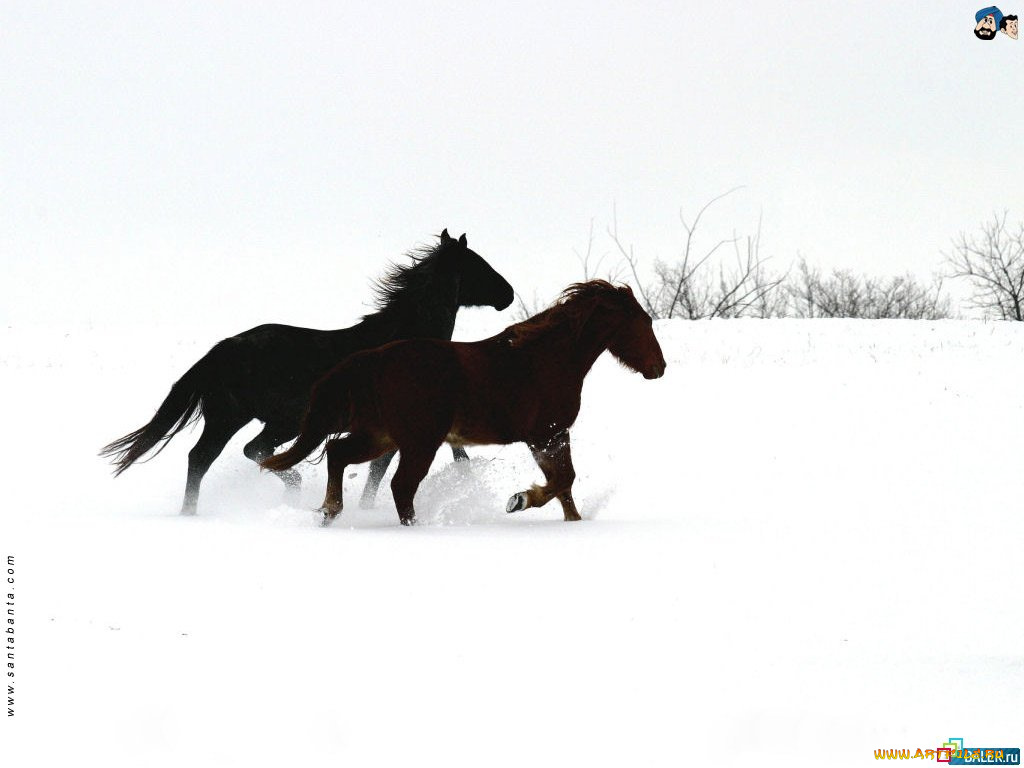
{"x": 590, "y": 264}
{"x": 693, "y": 287}
{"x": 527, "y": 308}
{"x": 845, "y": 294}
{"x": 993, "y": 262}
{"x": 592, "y": 269}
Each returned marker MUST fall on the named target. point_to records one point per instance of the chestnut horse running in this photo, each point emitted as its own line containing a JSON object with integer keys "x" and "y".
{"x": 522, "y": 385}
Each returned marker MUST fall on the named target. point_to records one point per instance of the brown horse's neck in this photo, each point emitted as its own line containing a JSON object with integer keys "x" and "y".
{"x": 576, "y": 351}
{"x": 590, "y": 344}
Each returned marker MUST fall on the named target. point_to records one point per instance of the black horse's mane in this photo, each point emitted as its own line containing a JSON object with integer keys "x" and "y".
{"x": 401, "y": 282}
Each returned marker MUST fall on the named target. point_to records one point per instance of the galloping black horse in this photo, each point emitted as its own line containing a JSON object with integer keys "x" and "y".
{"x": 266, "y": 373}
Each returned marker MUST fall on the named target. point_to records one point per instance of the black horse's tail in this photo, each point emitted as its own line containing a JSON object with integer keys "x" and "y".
{"x": 328, "y": 413}
{"x": 182, "y": 406}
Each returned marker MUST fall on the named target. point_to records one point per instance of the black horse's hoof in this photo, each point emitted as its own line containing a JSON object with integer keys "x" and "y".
{"x": 516, "y": 503}
{"x": 408, "y": 521}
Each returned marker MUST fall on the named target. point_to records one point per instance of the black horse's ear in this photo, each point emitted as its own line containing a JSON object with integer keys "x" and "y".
{"x": 445, "y": 236}
{"x": 462, "y": 240}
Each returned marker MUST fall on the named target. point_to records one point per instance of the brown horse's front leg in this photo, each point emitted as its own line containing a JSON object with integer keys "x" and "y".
{"x": 555, "y": 461}
{"x": 569, "y": 506}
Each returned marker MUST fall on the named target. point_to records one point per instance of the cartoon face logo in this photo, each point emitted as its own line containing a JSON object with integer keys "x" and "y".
{"x": 986, "y": 22}
{"x": 1008, "y": 26}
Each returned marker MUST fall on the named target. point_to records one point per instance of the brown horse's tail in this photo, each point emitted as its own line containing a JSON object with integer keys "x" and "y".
{"x": 182, "y": 406}
{"x": 328, "y": 413}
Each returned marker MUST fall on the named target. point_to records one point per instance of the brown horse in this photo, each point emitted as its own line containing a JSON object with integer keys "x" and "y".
{"x": 522, "y": 385}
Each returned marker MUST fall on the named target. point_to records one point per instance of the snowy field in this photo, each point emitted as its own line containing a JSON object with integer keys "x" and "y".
{"x": 801, "y": 545}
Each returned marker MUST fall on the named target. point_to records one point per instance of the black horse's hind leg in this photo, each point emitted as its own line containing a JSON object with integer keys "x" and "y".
{"x": 379, "y": 468}
{"x": 262, "y": 446}
{"x": 216, "y": 433}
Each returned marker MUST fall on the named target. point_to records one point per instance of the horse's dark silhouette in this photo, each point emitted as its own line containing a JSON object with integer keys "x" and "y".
{"x": 266, "y": 372}
{"x": 522, "y": 385}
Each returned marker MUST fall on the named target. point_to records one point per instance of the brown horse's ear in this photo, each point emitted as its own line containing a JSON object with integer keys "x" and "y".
{"x": 462, "y": 240}
{"x": 445, "y": 236}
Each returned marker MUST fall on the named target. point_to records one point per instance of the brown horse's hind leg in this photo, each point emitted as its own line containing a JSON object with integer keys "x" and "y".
{"x": 352, "y": 449}
{"x": 263, "y": 445}
{"x": 555, "y": 461}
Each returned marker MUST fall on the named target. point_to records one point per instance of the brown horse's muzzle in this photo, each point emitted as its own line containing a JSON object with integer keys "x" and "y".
{"x": 656, "y": 371}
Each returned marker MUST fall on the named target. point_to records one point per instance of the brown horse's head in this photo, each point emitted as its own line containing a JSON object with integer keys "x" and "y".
{"x": 622, "y": 321}
{"x": 609, "y": 315}
{"x": 633, "y": 341}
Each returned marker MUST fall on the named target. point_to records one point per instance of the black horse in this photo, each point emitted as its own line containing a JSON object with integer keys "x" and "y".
{"x": 267, "y": 372}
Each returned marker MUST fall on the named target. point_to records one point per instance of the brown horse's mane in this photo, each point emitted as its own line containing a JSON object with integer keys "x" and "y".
{"x": 576, "y": 304}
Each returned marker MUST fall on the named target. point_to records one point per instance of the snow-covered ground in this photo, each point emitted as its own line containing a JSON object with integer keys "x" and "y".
{"x": 801, "y": 545}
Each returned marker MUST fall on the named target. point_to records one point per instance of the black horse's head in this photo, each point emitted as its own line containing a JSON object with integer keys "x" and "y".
{"x": 425, "y": 296}
{"x": 479, "y": 284}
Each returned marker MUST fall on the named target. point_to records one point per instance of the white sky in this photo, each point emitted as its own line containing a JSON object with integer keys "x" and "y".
{"x": 234, "y": 163}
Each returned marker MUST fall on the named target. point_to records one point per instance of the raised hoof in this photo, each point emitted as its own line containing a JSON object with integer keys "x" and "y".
{"x": 367, "y": 503}
{"x": 516, "y": 503}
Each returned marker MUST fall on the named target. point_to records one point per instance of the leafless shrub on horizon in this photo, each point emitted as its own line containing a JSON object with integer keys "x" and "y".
{"x": 702, "y": 283}
{"x": 993, "y": 263}
{"x": 842, "y": 293}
